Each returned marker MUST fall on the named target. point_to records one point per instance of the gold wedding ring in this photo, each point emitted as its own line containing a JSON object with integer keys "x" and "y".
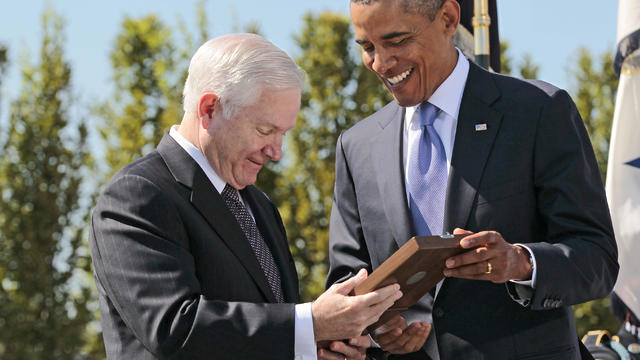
{"x": 489, "y": 268}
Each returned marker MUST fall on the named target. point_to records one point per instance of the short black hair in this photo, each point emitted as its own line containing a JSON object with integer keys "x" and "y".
{"x": 428, "y": 8}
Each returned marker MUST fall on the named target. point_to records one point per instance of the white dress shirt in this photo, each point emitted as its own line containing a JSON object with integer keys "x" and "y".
{"x": 447, "y": 98}
{"x": 304, "y": 342}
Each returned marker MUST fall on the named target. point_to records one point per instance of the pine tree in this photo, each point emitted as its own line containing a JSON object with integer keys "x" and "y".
{"x": 146, "y": 100}
{"x": 43, "y": 306}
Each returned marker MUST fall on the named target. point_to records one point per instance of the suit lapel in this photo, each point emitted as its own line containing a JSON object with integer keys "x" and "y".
{"x": 388, "y": 163}
{"x": 274, "y": 238}
{"x": 209, "y": 203}
{"x": 471, "y": 150}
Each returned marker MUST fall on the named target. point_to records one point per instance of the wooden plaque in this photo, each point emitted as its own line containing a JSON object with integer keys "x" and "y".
{"x": 417, "y": 267}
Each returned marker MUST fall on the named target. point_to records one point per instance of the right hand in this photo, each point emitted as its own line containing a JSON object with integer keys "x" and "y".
{"x": 396, "y": 337}
{"x": 336, "y": 315}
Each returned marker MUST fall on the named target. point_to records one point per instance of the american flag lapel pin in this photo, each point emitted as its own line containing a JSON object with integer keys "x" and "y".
{"x": 481, "y": 127}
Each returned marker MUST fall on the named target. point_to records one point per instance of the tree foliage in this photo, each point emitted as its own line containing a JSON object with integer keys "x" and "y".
{"x": 43, "y": 314}
{"x": 527, "y": 69}
{"x": 594, "y": 91}
{"x": 3, "y": 61}
{"x": 340, "y": 92}
{"x": 144, "y": 101}
{"x": 595, "y": 86}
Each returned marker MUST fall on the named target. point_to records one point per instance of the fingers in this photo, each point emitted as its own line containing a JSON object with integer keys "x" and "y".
{"x": 324, "y": 354}
{"x": 345, "y": 287}
{"x": 376, "y": 310}
{"x": 348, "y": 351}
{"x": 472, "y": 256}
{"x": 485, "y": 246}
{"x": 482, "y": 238}
{"x": 386, "y": 339}
{"x": 363, "y": 341}
{"x": 418, "y": 333}
{"x": 410, "y": 340}
{"x": 380, "y": 295}
{"x": 458, "y": 231}
{"x": 395, "y": 322}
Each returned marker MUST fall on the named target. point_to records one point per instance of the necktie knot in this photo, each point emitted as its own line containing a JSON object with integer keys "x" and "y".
{"x": 428, "y": 113}
{"x": 230, "y": 193}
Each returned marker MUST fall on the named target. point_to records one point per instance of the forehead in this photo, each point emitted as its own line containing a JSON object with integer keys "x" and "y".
{"x": 277, "y": 108}
{"x": 380, "y": 18}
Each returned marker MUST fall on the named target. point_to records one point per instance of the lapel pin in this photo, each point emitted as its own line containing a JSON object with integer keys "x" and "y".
{"x": 481, "y": 127}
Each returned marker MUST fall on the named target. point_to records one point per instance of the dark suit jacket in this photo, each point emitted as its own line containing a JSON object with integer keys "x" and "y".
{"x": 532, "y": 176}
{"x": 176, "y": 277}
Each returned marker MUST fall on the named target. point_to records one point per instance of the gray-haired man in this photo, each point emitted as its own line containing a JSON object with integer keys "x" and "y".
{"x": 191, "y": 260}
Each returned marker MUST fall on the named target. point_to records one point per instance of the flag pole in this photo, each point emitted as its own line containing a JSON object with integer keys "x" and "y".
{"x": 481, "y": 22}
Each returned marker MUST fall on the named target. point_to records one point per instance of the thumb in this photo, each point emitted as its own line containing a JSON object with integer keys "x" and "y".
{"x": 346, "y": 287}
{"x": 458, "y": 231}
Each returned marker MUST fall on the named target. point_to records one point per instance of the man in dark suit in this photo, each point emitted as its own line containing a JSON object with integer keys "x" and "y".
{"x": 466, "y": 151}
{"x": 191, "y": 260}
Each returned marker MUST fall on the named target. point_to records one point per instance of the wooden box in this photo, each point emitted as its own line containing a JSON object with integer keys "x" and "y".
{"x": 417, "y": 267}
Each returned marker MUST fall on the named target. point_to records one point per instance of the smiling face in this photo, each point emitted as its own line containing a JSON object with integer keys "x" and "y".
{"x": 410, "y": 54}
{"x": 237, "y": 148}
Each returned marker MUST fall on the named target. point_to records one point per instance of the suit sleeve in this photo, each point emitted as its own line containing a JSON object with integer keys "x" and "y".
{"x": 347, "y": 249}
{"x": 142, "y": 260}
{"x": 577, "y": 260}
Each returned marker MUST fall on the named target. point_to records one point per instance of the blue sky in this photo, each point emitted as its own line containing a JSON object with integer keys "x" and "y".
{"x": 550, "y": 30}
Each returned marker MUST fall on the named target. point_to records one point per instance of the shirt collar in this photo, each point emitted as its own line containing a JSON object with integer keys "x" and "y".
{"x": 199, "y": 158}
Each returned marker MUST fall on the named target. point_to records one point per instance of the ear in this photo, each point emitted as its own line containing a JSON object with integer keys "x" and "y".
{"x": 450, "y": 13}
{"x": 207, "y": 107}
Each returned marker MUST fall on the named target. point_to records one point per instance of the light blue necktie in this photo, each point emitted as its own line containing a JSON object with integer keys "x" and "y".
{"x": 427, "y": 176}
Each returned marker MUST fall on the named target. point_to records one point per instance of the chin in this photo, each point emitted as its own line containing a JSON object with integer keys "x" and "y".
{"x": 404, "y": 102}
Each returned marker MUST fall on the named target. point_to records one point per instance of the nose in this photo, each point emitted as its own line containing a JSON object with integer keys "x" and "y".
{"x": 274, "y": 150}
{"x": 382, "y": 61}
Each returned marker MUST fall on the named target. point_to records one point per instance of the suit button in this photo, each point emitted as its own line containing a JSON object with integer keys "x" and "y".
{"x": 438, "y": 312}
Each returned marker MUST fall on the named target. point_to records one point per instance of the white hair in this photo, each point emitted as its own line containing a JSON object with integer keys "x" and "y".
{"x": 237, "y": 67}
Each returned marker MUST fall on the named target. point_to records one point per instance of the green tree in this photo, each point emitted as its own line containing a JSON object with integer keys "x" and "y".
{"x": 595, "y": 87}
{"x": 43, "y": 311}
{"x": 340, "y": 92}
{"x": 3, "y": 61}
{"x": 140, "y": 110}
{"x": 149, "y": 72}
{"x": 505, "y": 59}
{"x": 3, "y": 68}
{"x": 594, "y": 92}
{"x": 527, "y": 69}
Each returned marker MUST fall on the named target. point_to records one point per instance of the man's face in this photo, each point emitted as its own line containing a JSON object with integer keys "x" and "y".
{"x": 237, "y": 148}
{"x": 409, "y": 53}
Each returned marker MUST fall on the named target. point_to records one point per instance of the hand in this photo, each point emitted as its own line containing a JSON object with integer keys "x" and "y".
{"x": 396, "y": 337}
{"x": 491, "y": 258}
{"x": 355, "y": 349}
{"x": 336, "y": 315}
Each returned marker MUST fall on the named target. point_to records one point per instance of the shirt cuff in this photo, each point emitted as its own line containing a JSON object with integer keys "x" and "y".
{"x": 521, "y": 291}
{"x": 304, "y": 347}
{"x": 530, "y": 283}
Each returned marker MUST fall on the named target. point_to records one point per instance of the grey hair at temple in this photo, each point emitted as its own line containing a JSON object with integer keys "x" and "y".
{"x": 428, "y": 8}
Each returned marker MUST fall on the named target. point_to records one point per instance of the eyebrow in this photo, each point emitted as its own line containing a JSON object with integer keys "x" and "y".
{"x": 393, "y": 35}
{"x": 386, "y": 36}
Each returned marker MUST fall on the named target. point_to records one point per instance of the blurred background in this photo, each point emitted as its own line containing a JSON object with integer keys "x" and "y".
{"x": 87, "y": 87}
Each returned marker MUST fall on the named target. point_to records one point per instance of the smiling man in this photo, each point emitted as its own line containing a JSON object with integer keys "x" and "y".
{"x": 462, "y": 150}
{"x": 191, "y": 260}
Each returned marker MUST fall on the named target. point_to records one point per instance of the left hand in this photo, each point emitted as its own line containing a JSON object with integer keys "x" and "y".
{"x": 490, "y": 258}
{"x": 354, "y": 349}
{"x": 398, "y": 337}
